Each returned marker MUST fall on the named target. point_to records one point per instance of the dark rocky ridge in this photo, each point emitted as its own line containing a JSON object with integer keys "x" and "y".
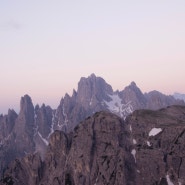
{"x": 29, "y": 131}
{"x": 105, "y": 149}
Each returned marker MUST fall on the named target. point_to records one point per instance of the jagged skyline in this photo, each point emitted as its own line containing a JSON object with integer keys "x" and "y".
{"x": 47, "y": 46}
{"x": 87, "y": 86}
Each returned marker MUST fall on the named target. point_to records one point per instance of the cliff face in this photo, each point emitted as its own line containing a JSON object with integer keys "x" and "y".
{"x": 158, "y": 144}
{"x": 147, "y": 148}
{"x": 97, "y": 152}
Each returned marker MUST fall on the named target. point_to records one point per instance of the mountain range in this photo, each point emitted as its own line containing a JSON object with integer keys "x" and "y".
{"x": 30, "y": 130}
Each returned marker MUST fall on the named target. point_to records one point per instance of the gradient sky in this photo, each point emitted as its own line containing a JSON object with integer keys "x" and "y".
{"x": 46, "y": 46}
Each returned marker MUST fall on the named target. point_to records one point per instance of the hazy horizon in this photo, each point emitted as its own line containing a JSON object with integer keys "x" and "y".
{"x": 47, "y": 46}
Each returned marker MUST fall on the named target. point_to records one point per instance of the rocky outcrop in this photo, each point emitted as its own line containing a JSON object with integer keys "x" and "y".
{"x": 147, "y": 148}
{"x": 24, "y": 127}
{"x": 7, "y": 139}
{"x": 24, "y": 133}
{"x": 158, "y": 145}
{"x": 97, "y": 152}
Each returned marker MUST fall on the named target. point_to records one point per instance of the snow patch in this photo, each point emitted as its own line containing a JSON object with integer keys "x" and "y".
{"x": 155, "y": 131}
{"x": 133, "y": 152}
{"x": 43, "y": 139}
{"x": 168, "y": 180}
{"x": 148, "y": 143}
{"x": 134, "y": 141}
{"x": 115, "y": 106}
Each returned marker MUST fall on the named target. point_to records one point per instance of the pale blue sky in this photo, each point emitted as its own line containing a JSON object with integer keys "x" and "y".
{"x": 46, "y": 46}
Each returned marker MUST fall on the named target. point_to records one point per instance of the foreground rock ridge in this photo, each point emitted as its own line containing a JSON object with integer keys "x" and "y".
{"x": 145, "y": 149}
{"x": 30, "y": 130}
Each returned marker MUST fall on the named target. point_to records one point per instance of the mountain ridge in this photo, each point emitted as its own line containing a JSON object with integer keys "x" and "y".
{"x": 30, "y": 130}
{"x": 147, "y": 148}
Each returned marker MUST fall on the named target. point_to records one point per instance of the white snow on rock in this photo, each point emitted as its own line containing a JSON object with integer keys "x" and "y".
{"x": 133, "y": 152}
{"x": 168, "y": 180}
{"x": 154, "y": 131}
{"x": 134, "y": 141}
{"x": 148, "y": 143}
{"x": 43, "y": 139}
{"x": 115, "y": 106}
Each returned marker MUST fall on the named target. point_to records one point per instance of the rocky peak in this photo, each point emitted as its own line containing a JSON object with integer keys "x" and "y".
{"x": 133, "y": 94}
{"x": 24, "y": 127}
{"x": 133, "y": 84}
{"x": 7, "y": 123}
{"x": 26, "y": 109}
{"x": 93, "y": 86}
{"x": 26, "y": 104}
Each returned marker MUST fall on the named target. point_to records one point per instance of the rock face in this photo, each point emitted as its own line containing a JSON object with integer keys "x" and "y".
{"x": 158, "y": 138}
{"x": 22, "y": 134}
{"x": 97, "y": 152}
{"x": 30, "y": 130}
{"x": 147, "y": 148}
{"x": 7, "y": 146}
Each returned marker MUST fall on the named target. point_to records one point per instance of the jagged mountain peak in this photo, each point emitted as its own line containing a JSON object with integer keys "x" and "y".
{"x": 92, "y": 76}
{"x": 93, "y": 86}
{"x": 92, "y": 79}
{"x": 11, "y": 111}
{"x": 26, "y": 104}
{"x": 133, "y": 83}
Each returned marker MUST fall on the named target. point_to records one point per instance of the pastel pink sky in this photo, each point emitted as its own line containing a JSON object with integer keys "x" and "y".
{"x": 46, "y": 46}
